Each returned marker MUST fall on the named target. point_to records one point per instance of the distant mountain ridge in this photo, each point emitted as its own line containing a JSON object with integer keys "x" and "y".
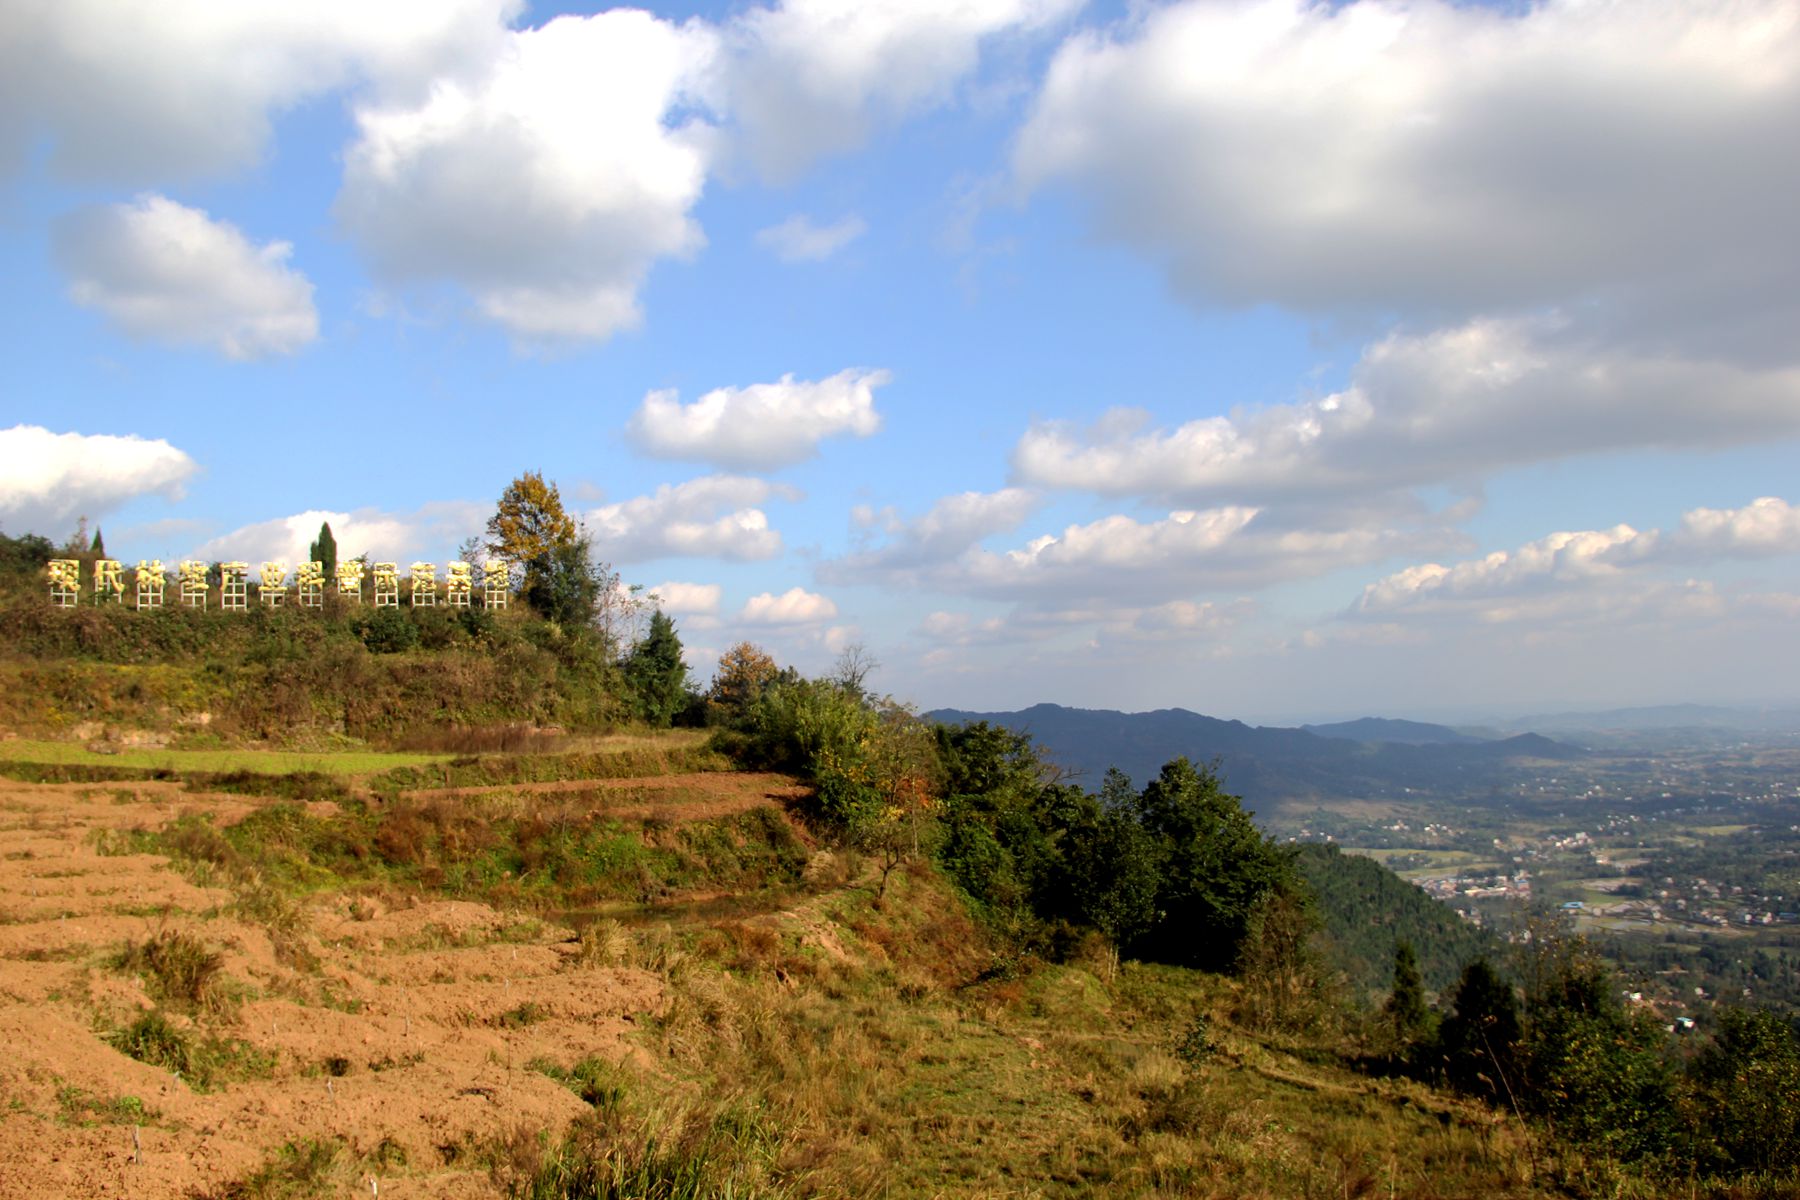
{"x": 1268, "y": 765}
{"x": 1388, "y": 729}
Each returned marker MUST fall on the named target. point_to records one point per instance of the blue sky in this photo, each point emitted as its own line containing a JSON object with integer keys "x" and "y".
{"x": 1269, "y": 359}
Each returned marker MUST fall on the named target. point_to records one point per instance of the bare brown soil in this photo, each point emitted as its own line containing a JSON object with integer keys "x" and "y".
{"x": 404, "y": 1031}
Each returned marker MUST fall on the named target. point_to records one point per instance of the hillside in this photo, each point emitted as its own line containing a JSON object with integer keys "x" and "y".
{"x": 1366, "y": 909}
{"x": 308, "y": 905}
{"x": 238, "y": 995}
{"x": 1271, "y": 767}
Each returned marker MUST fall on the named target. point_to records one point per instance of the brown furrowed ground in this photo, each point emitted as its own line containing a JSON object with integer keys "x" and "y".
{"x": 404, "y": 1036}
{"x": 739, "y": 1013}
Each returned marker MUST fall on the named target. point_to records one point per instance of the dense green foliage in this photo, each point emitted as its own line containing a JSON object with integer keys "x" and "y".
{"x": 655, "y": 673}
{"x": 324, "y": 550}
{"x": 1367, "y": 909}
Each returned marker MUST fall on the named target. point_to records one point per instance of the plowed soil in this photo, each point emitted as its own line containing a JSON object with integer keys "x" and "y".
{"x": 403, "y": 1031}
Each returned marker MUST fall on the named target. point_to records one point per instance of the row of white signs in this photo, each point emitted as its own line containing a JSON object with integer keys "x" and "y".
{"x": 309, "y": 581}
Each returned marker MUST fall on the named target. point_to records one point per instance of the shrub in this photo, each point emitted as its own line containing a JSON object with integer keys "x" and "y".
{"x": 386, "y": 631}
{"x": 178, "y": 970}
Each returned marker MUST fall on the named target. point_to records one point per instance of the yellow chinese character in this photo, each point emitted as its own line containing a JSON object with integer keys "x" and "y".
{"x": 424, "y": 584}
{"x": 193, "y": 583}
{"x": 65, "y": 582}
{"x": 496, "y": 582}
{"x": 272, "y": 586}
{"x": 109, "y": 580}
{"x": 151, "y": 579}
{"x": 458, "y": 584}
{"x": 350, "y": 579}
{"x": 234, "y": 586}
{"x": 387, "y": 585}
{"x": 309, "y": 583}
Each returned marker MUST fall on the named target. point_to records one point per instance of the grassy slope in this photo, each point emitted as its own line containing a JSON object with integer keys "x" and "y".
{"x": 855, "y": 1043}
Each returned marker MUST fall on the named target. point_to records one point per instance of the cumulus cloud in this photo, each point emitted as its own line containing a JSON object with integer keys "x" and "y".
{"x": 549, "y": 185}
{"x": 950, "y": 528}
{"x": 184, "y": 88}
{"x": 710, "y": 517}
{"x": 1587, "y": 570}
{"x": 1182, "y": 554}
{"x": 1439, "y": 158}
{"x": 1420, "y": 409}
{"x": 800, "y": 239}
{"x": 171, "y": 273}
{"x": 1181, "y": 620}
{"x": 796, "y": 606}
{"x": 687, "y": 599}
{"x": 49, "y": 480}
{"x": 1763, "y": 528}
{"x": 432, "y": 531}
{"x": 1119, "y": 557}
{"x": 760, "y": 427}
{"x": 809, "y": 78}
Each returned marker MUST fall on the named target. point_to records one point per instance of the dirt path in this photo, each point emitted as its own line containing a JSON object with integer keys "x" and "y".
{"x": 409, "y": 1040}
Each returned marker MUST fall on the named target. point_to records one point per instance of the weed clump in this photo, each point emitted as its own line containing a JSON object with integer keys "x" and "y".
{"x": 299, "y": 1169}
{"x": 178, "y": 970}
{"x": 605, "y": 1156}
{"x": 594, "y": 1080}
{"x": 204, "y": 1063}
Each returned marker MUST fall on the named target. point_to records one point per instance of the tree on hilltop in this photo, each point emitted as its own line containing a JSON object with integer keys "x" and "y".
{"x": 530, "y": 522}
{"x": 745, "y": 672}
{"x": 324, "y": 550}
{"x": 530, "y": 527}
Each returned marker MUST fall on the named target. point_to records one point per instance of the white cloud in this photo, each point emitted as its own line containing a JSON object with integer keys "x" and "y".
{"x": 1121, "y": 557}
{"x": 799, "y": 239}
{"x": 1421, "y": 409}
{"x": 710, "y": 517}
{"x": 1587, "y": 570}
{"x": 164, "y": 271}
{"x": 1183, "y": 620}
{"x": 431, "y": 532}
{"x": 550, "y": 185}
{"x": 1764, "y": 527}
{"x": 952, "y": 526}
{"x": 142, "y": 93}
{"x": 796, "y": 606}
{"x": 1118, "y": 558}
{"x": 689, "y": 599}
{"x": 809, "y": 78}
{"x": 760, "y": 427}
{"x": 49, "y": 480}
{"x": 1440, "y": 158}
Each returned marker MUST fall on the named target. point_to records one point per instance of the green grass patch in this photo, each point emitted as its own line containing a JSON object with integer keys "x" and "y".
{"x": 635, "y": 758}
{"x": 184, "y": 763}
{"x": 596, "y": 1081}
{"x": 203, "y": 1061}
{"x": 78, "y": 1107}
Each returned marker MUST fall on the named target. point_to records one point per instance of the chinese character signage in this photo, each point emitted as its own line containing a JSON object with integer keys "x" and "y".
{"x": 194, "y": 583}
{"x": 65, "y": 582}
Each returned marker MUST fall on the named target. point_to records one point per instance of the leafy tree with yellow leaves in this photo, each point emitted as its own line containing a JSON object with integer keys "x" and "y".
{"x": 530, "y": 521}
{"x": 530, "y": 527}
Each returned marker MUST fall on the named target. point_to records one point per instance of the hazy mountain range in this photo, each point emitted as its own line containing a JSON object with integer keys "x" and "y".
{"x": 1274, "y": 766}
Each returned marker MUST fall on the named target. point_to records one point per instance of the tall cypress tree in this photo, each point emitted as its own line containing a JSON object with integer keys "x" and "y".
{"x": 655, "y": 673}
{"x": 1406, "y": 1003}
{"x": 98, "y": 549}
{"x": 324, "y": 551}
